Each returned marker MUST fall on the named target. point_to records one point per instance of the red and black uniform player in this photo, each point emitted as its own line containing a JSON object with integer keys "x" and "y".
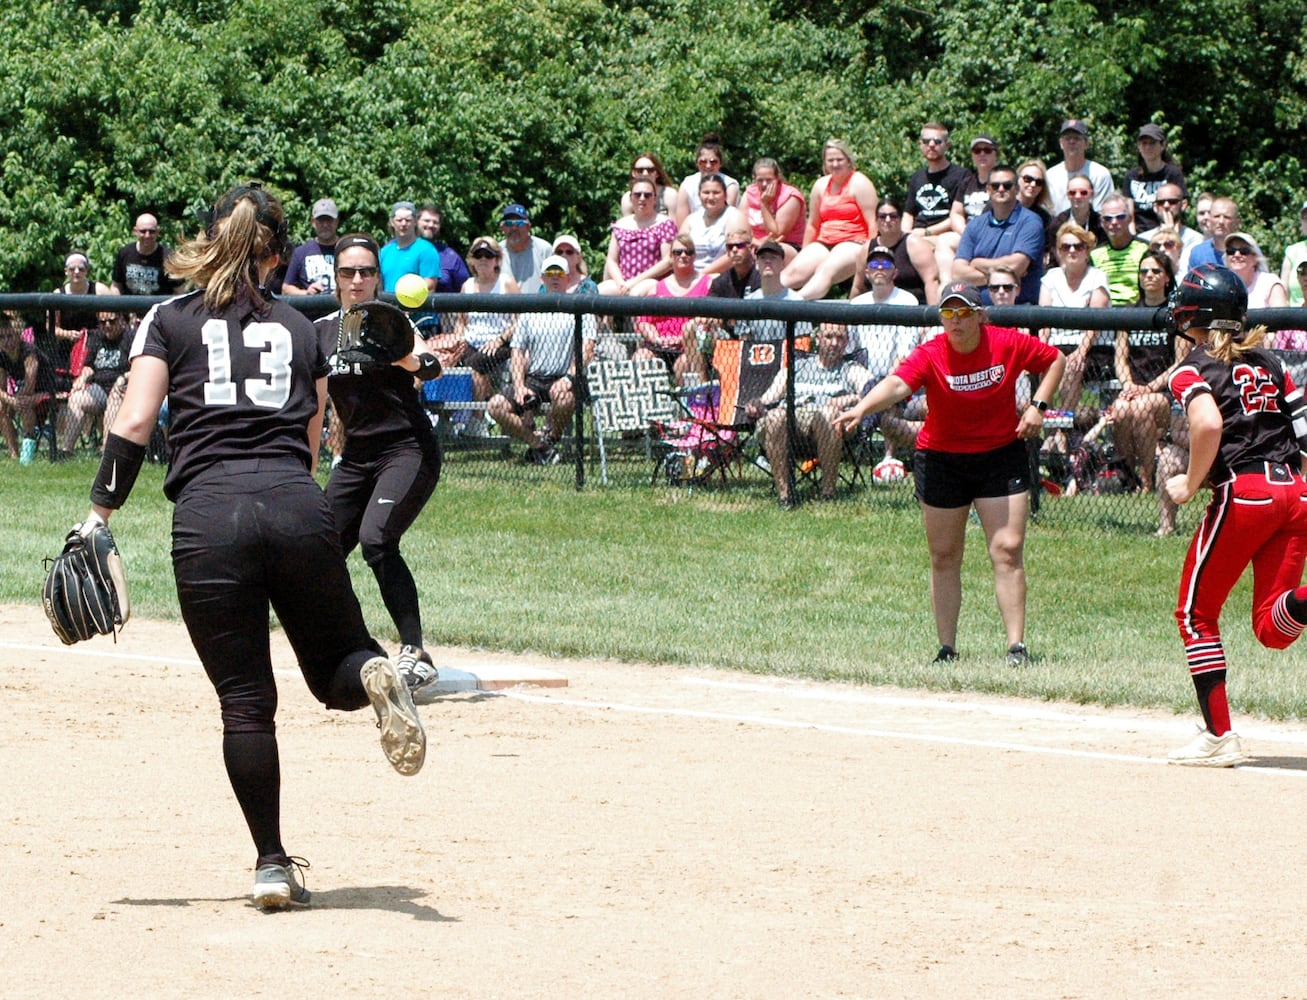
{"x": 391, "y": 461}
{"x": 1246, "y": 427}
{"x": 245, "y": 380}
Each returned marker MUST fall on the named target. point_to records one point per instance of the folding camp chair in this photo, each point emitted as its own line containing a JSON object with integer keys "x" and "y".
{"x": 715, "y": 435}
{"x": 860, "y": 452}
{"x": 627, "y": 396}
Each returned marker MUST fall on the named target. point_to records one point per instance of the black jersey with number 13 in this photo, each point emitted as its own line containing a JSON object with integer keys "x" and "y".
{"x": 241, "y": 384}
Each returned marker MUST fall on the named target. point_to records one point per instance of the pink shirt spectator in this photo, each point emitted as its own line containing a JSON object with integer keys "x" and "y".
{"x": 640, "y": 249}
{"x": 753, "y": 211}
{"x": 669, "y": 328}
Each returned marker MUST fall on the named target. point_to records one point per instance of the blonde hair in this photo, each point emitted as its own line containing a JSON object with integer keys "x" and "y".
{"x": 1079, "y": 232}
{"x": 1222, "y": 345}
{"x": 843, "y": 147}
{"x": 486, "y": 243}
{"x": 248, "y": 230}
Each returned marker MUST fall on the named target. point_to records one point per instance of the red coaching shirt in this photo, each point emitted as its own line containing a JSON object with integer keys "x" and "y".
{"x": 971, "y": 398}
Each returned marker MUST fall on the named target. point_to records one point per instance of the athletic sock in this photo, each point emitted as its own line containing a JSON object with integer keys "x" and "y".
{"x": 1295, "y": 603}
{"x": 1210, "y": 688}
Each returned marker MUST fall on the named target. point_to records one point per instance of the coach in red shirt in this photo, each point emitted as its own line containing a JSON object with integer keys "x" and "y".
{"x": 971, "y": 452}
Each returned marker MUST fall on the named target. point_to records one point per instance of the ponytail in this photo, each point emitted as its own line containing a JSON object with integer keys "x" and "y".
{"x": 248, "y": 228}
{"x": 1223, "y": 346}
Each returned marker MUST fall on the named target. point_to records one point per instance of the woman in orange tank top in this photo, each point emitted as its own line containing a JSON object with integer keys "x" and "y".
{"x": 841, "y": 224}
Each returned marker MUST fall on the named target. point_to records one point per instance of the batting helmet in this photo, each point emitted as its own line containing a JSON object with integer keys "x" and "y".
{"x": 1210, "y": 297}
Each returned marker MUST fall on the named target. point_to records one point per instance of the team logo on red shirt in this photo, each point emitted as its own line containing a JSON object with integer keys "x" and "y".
{"x": 975, "y": 381}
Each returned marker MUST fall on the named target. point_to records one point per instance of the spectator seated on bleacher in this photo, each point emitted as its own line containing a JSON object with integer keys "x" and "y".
{"x": 483, "y": 341}
{"x": 26, "y": 382}
{"x": 674, "y": 339}
{"x": 105, "y": 362}
{"x": 1074, "y": 284}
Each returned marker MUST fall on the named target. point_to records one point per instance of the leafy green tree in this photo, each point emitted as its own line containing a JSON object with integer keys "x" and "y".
{"x": 122, "y": 106}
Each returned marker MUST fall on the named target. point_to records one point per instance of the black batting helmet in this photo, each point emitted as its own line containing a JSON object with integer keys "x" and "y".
{"x": 1210, "y": 297}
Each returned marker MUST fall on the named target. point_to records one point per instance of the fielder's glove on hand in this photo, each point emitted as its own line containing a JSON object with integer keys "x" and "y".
{"x": 85, "y": 592}
{"x": 373, "y": 334}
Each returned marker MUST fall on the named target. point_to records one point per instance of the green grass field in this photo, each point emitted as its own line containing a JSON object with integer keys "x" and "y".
{"x": 724, "y": 579}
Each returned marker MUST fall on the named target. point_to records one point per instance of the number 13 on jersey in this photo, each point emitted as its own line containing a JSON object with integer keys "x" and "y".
{"x": 272, "y": 341}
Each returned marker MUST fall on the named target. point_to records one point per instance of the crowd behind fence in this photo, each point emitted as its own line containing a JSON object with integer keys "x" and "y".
{"x": 636, "y": 424}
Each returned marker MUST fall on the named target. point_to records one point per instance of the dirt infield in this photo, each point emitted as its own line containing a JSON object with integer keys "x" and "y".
{"x": 643, "y": 832}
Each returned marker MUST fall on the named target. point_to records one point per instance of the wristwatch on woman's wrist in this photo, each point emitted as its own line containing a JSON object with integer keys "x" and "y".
{"x": 1039, "y": 405}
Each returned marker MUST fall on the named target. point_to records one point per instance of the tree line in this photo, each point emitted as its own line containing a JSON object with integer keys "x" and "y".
{"x": 117, "y": 107}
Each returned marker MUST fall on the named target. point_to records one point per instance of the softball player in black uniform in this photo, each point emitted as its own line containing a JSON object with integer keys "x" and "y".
{"x": 391, "y": 461}
{"x": 245, "y": 381}
{"x": 1247, "y": 427}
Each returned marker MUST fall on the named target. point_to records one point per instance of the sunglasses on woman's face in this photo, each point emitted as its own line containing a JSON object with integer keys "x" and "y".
{"x": 357, "y": 272}
{"x": 484, "y": 255}
{"x": 962, "y": 312}
{"x": 682, "y": 253}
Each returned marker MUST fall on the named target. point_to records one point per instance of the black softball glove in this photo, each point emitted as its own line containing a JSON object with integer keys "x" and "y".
{"x": 374, "y": 334}
{"x": 85, "y": 592}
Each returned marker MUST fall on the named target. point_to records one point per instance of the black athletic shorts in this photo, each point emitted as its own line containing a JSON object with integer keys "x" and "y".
{"x": 540, "y": 385}
{"x": 948, "y": 479}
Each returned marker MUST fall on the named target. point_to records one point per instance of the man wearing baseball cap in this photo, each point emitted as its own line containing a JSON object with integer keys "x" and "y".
{"x": 312, "y": 267}
{"x": 524, "y": 252}
{"x": 972, "y": 198}
{"x": 882, "y": 345}
{"x": 542, "y": 366}
{"x": 1155, "y": 168}
{"x": 971, "y": 452}
{"x": 1073, "y": 137}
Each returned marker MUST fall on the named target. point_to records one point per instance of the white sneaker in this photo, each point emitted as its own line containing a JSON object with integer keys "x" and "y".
{"x": 1206, "y": 750}
{"x": 402, "y": 738}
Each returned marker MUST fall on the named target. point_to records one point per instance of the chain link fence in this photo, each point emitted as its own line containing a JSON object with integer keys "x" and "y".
{"x": 740, "y": 411}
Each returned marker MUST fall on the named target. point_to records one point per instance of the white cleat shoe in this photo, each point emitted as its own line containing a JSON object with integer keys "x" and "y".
{"x": 402, "y": 738}
{"x": 1206, "y": 750}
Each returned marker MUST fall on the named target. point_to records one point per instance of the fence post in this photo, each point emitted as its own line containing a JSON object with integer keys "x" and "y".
{"x": 581, "y": 396}
{"x": 791, "y": 425}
